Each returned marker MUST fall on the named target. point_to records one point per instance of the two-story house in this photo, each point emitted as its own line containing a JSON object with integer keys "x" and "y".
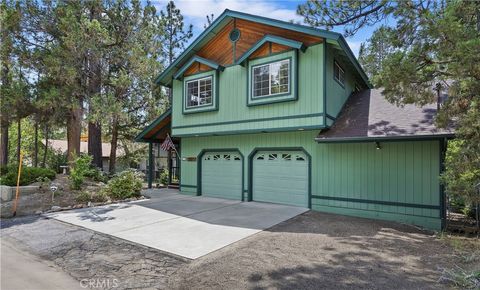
{"x": 271, "y": 111}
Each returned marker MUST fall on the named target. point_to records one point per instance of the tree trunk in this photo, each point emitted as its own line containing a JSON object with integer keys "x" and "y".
{"x": 95, "y": 143}
{"x": 44, "y": 161}
{"x": 74, "y": 129}
{"x": 94, "y": 89}
{"x": 113, "y": 147}
{"x": 19, "y": 139}
{"x": 35, "y": 146}
{"x": 4, "y": 143}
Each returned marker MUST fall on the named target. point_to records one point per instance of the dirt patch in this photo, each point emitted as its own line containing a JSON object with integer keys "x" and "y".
{"x": 317, "y": 250}
{"x": 64, "y": 198}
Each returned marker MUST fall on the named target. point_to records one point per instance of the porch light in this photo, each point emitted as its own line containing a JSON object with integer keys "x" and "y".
{"x": 300, "y": 129}
{"x": 377, "y": 144}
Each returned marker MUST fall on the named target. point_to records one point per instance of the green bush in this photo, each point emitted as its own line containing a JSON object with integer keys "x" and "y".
{"x": 164, "y": 177}
{"x": 126, "y": 184}
{"x": 29, "y": 175}
{"x": 98, "y": 196}
{"x": 80, "y": 168}
{"x": 97, "y": 175}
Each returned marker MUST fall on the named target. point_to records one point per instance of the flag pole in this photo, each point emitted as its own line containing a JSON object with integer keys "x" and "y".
{"x": 168, "y": 135}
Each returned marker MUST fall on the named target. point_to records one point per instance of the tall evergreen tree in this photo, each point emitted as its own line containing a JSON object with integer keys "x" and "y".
{"x": 432, "y": 43}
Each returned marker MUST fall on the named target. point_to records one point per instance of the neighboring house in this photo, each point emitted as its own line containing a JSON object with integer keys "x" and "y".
{"x": 271, "y": 111}
{"x": 62, "y": 146}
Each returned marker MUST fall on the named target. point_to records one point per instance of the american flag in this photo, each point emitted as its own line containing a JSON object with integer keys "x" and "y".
{"x": 167, "y": 144}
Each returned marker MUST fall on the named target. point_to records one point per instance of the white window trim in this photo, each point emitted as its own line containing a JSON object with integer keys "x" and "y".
{"x": 252, "y": 84}
{"x": 340, "y": 69}
{"x": 198, "y": 83}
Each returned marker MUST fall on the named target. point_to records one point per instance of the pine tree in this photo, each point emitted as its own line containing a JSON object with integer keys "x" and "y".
{"x": 430, "y": 44}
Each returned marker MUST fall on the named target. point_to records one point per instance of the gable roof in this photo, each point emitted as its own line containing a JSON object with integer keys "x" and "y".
{"x": 274, "y": 39}
{"x": 166, "y": 76}
{"x": 199, "y": 59}
{"x": 367, "y": 115}
{"x": 149, "y": 133}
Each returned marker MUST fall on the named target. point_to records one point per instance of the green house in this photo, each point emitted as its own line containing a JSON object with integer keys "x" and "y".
{"x": 270, "y": 111}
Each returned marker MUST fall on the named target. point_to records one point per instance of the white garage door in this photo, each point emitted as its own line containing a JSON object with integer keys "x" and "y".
{"x": 222, "y": 175}
{"x": 280, "y": 177}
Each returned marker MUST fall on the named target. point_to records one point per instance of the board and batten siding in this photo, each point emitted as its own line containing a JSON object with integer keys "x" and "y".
{"x": 337, "y": 95}
{"x": 400, "y": 172}
{"x": 235, "y": 116}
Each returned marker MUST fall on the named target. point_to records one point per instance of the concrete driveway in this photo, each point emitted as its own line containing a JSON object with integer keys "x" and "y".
{"x": 183, "y": 225}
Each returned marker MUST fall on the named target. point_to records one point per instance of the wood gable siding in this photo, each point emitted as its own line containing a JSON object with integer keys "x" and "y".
{"x": 221, "y": 50}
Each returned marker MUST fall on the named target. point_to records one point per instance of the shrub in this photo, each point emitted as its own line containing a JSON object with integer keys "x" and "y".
{"x": 164, "y": 177}
{"x": 97, "y": 175}
{"x": 124, "y": 185}
{"x": 80, "y": 168}
{"x": 85, "y": 196}
{"x": 28, "y": 175}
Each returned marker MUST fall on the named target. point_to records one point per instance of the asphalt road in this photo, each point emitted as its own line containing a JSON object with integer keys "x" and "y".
{"x": 23, "y": 271}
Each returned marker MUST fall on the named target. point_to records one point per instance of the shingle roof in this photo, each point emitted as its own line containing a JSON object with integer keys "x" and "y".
{"x": 62, "y": 145}
{"x": 368, "y": 115}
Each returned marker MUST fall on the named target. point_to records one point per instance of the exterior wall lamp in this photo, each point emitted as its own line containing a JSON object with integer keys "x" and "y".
{"x": 377, "y": 145}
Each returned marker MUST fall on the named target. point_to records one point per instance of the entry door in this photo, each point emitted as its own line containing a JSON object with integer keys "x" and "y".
{"x": 222, "y": 175}
{"x": 280, "y": 177}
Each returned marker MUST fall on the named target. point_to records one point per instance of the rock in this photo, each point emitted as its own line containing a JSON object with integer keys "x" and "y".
{"x": 56, "y": 208}
{"x": 38, "y": 212}
{"x": 89, "y": 204}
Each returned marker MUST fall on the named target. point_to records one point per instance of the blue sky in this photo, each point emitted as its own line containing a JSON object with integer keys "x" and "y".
{"x": 195, "y": 12}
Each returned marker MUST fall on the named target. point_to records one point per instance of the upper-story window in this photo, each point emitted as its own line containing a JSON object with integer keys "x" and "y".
{"x": 271, "y": 79}
{"x": 338, "y": 73}
{"x": 199, "y": 92}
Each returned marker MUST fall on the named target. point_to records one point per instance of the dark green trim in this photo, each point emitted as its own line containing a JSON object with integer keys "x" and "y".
{"x": 198, "y": 59}
{"x": 330, "y": 117}
{"x": 188, "y": 186}
{"x": 275, "y": 39}
{"x": 262, "y": 149}
{"x": 203, "y": 108}
{"x": 381, "y": 202}
{"x": 382, "y": 139}
{"x": 369, "y": 210}
{"x": 291, "y": 95}
{"x": 139, "y": 137}
{"x": 325, "y": 82}
{"x": 199, "y": 166}
{"x": 165, "y": 77}
{"x": 443, "y": 205}
{"x": 251, "y": 131}
{"x": 251, "y": 120}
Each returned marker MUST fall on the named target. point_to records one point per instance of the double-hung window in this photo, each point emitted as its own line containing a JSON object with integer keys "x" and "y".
{"x": 338, "y": 73}
{"x": 199, "y": 92}
{"x": 271, "y": 79}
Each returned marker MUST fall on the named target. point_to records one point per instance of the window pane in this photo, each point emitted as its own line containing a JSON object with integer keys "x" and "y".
{"x": 260, "y": 80}
{"x": 199, "y": 92}
{"x": 271, "y": 78}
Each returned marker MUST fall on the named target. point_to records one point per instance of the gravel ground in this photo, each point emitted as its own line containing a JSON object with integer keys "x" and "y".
{"x": 86, "y": 255}
{"x": 322, "y": 251}
{"x": 311, "y": 251}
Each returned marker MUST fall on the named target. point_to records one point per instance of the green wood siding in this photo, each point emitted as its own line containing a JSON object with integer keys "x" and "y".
{"x": 336, "y": 94}
{"x": 234, "y": 115}
{"x": 399, "y": 182}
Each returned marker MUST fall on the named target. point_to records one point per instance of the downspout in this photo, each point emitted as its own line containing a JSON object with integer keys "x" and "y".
{"x": 443, "y": 200}
{"x": 324, "y": 83}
